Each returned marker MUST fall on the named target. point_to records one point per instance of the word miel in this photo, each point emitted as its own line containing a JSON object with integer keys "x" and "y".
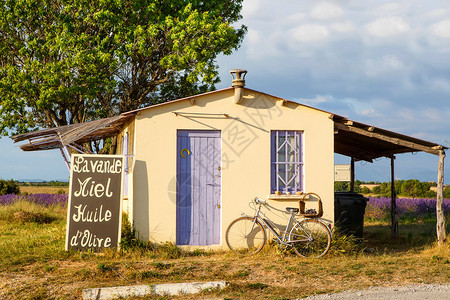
{"x": 88, "y": 188}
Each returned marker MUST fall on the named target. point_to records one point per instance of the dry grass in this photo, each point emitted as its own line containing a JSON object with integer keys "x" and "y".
{"x": 34, "y": 265}
{"x": 43, "y": 189}
{"x": 267, "y": 275}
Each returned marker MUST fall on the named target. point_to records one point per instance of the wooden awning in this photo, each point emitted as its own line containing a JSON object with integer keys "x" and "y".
{"x": 366, "y": 142}
{"x": 53, "y": 138}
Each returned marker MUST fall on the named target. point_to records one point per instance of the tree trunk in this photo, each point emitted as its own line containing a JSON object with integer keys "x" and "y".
{"x": 440, "y": 223}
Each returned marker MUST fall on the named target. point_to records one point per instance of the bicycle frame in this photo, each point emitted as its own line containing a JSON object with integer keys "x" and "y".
{"x": 281, "y": 236}
{"x": 308, "y": 237}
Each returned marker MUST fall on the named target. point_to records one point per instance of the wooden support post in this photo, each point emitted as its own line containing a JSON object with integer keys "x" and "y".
{"x": 352, "y": 175}
{"x": 440, "y": 222}
{"x": 394, "y": 221}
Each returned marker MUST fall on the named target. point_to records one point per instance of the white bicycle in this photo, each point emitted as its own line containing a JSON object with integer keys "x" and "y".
{"x": 309, "y": 237}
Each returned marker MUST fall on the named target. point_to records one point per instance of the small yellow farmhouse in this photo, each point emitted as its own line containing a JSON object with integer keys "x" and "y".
{"x": 199, "y": 161}
{"x": 194, "y": 164}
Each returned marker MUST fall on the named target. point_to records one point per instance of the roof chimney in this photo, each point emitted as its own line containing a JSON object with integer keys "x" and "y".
{"x": 238, "y": 83}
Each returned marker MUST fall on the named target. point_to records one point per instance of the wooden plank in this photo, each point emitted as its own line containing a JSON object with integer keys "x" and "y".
{"x": 217, "y": 189}
{"x": 209, "y": 186}
{"x": 395, "y": 141}
{"x": 196, "y": 159}
{"x": 352, "y": 174}
{"x": 440, "y": 222}
{"x": 184, "y": 193}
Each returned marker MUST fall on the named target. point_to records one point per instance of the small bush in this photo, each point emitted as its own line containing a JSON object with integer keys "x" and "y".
{"x": 129, "y": 241}
{"x": 345, "y": 244}
{"x": 9, "y": 187}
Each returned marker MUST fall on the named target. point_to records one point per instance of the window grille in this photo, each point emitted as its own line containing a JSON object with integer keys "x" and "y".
{"x": 286, "y": 161}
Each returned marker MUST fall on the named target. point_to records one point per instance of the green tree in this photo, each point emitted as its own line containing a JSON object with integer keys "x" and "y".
{"x": 71, "y": 61}
{"x": 341, "y": 186}
{"x": 365, "y": 190}
{"x": 447, "y": 192}
{"x": 376, "y": 190}
{"x": 9, "y": 187}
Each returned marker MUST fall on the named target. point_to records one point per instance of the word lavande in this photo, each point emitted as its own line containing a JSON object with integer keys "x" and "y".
{"x": 81, "y": 165}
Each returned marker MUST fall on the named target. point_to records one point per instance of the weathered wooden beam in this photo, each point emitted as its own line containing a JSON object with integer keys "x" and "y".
{"x": 440, "y": 219}
{"x": 396, "y": 141}
{"x": 361, "y": 154}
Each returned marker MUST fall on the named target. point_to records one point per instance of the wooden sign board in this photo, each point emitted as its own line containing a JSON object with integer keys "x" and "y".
{"x": 342, "y": 173}
{"x": 94, "y": 216}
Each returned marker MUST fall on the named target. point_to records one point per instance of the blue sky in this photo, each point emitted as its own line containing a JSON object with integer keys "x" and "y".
{"x": 384, "y": 63}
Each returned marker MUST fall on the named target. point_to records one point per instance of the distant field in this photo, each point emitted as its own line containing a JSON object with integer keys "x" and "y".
{"x": 43, "y": 189}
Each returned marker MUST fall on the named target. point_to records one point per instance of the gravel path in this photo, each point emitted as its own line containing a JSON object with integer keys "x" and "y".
{"x": 410, "y": 292}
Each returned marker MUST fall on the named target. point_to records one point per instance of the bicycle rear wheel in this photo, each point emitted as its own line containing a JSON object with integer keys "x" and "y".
{"x": 310, "y": 238}
{"x": 245, "y": 236}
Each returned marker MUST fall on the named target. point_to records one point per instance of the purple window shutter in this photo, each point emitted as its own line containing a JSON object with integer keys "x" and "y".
{"x": 286, "y": 161}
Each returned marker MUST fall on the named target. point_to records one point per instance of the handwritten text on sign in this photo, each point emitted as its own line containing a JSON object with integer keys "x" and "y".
{"x": 94, "y": 214}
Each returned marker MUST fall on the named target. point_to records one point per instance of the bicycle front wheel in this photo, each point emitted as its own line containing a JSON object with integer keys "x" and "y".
{"x": 245, "y": 236}
{"x": 310, "y": 238}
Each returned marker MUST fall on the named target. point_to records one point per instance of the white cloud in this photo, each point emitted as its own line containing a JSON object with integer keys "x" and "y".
{"x": 439, "y": 84}
{"x": 432, "y": 114}
{"x": 295, "y": 17}
{"x": 387, "y": 64}
{"x": 437, "y": 13}
{"x": 326, "y": 11}
{"x": 387, "y": 27}
{"x": 252, "y": 36}
{"x": 310, "y": 33}
{"x": 342, "y": 27}
{"x": 316, "y": 101}
{"x": 407, "y": 114}
{"x": 390, "y": 7}
{"x": 361, "y": 108}
{"x": 250, "y": 8}
{"x": 441, "y": 29}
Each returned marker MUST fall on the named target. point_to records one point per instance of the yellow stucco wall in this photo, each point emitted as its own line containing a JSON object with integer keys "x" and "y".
{"x": 245, "y": 161}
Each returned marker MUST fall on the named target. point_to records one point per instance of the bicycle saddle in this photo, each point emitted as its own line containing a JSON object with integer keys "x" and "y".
{"x": 292, "y": 209}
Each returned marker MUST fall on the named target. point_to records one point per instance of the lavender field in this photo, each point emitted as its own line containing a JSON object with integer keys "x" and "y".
{"x": 41, "y": 199}
{"x": 408, "y": 209}
{"x": 378, "y": 209}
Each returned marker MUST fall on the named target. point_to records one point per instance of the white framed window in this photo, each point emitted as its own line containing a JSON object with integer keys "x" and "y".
{"x": 286, "y": 161}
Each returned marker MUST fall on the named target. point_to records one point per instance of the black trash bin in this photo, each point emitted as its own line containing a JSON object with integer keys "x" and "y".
{"x": 349, "y": 209}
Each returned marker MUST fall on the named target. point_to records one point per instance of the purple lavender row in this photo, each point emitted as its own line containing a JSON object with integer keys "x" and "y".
{"x": 377, "y": 208}
{"x": 42, "y": 199}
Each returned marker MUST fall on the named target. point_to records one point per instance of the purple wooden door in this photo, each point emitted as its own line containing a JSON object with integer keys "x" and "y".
{"x": 198, "y": 187}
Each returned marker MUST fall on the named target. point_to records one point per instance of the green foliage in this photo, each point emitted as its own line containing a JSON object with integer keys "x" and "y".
{"x": 365, "y": 190}
{"x": 70, "y": 61}
{"x": 44, "y": 183}
{"x": 129, "y": 241}
{"x": 447, "y": 192}
{"x": 341, "y": 186}
{"x": 9, "y": 187}
{"x": 408, "y": 188}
